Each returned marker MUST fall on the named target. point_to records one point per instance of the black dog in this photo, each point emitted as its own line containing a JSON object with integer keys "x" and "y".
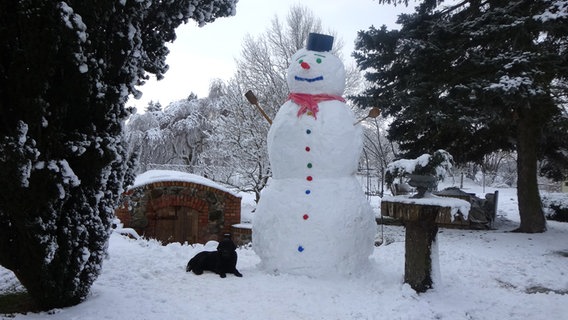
{"x": 222, "y": 261}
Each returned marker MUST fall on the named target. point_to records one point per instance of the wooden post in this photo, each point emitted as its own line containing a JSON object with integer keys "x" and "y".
{"x": 421, "y": 233}
{"x": 421, "y": 219}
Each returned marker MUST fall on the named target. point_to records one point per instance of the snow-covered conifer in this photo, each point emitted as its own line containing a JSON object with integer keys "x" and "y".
{"x": 66, "y": 71}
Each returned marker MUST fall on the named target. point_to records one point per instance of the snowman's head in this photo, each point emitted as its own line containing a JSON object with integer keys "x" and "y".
{"x": 316, "y": 72}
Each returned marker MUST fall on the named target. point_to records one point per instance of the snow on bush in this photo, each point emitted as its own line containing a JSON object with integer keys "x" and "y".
{"x": 555, "y": 206}
{"x": 439, "y": 164}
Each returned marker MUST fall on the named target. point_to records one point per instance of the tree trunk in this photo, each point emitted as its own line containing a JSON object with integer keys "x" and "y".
{"x": 530, "y": 206}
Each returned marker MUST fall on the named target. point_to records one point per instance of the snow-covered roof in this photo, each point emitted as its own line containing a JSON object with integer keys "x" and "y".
{"x": 153, "y": 176}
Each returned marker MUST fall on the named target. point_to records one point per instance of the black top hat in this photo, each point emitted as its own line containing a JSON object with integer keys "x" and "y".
{"x": 319, "y": 42}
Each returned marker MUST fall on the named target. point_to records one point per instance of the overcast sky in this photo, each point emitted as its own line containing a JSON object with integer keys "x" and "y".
{"x": 200, "y": 55}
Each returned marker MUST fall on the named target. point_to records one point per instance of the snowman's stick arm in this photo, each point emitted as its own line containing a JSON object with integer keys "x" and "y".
{"x": 253, "y": 100}
{"x": 373, "y": 113}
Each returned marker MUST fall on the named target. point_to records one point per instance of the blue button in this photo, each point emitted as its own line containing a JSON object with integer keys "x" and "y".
{"x": 308, "y": 191}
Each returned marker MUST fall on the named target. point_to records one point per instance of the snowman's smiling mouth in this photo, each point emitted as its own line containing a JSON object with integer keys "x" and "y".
{"x": 308, "y": 79}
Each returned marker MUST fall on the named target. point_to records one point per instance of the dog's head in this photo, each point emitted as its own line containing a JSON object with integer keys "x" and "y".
{"x": 226, "y": 247}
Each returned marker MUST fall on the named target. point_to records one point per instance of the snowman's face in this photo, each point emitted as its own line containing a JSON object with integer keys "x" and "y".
{"x": 316, "y": 72}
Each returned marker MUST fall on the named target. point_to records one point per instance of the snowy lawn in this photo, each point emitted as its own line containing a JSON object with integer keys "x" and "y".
{"x": 484, "y": 275}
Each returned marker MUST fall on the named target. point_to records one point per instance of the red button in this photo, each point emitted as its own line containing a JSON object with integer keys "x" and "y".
{"x": 308, "y": 149}
{"x": 309, "y": 178}
{"x": 306, "y": 217}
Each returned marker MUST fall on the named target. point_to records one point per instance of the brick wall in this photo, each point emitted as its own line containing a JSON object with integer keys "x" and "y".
{"x": 242, "y": 234}
{"x": 155, "y": 205}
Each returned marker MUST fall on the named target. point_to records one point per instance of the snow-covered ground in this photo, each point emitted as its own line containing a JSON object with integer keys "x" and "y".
{"x": 484, "y": 275}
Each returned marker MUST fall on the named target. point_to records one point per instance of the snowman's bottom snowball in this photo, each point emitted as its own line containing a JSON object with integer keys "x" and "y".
{"x": 329, "y": 231}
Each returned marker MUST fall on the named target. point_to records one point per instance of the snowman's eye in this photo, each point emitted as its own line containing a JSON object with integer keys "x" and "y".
{"x": 300, "y": 61}
{"x": 318, "y": 60}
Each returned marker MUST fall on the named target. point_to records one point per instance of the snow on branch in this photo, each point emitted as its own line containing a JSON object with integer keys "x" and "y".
{"x": 557, "y": 10}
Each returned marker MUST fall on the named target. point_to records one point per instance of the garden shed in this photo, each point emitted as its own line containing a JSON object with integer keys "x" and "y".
{"x": 174, "y": 206}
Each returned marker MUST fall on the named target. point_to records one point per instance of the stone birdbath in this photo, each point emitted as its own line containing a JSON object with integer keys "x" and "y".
{"x": 422, "y": 183}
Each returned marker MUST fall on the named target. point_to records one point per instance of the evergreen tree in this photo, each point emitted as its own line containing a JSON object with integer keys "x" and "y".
{"x": 474, "y": 78}
{"x": 153, "y": 106}
{"x": 192, "y": 96}
{"x": 66, "y": 70}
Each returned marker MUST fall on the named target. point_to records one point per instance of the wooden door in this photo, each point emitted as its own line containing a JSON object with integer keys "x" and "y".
{"x": 186, "y": 227}
{"x": 177, "y": 224}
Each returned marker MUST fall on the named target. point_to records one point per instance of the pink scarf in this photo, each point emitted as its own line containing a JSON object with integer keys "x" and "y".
{"x": 310, "y": 101}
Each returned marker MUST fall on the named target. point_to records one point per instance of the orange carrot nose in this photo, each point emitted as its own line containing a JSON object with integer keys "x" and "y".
{"x": 305, "y": 65}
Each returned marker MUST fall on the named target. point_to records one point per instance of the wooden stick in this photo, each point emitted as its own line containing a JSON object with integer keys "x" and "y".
{"x": 254, "y": 101}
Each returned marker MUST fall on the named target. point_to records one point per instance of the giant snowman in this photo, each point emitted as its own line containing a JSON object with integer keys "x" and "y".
{"x": 313, "y": 218}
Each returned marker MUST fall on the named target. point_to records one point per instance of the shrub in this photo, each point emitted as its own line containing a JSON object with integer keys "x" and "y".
{"x": 555, "y": 206}
{"x": 438, "y": 165}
